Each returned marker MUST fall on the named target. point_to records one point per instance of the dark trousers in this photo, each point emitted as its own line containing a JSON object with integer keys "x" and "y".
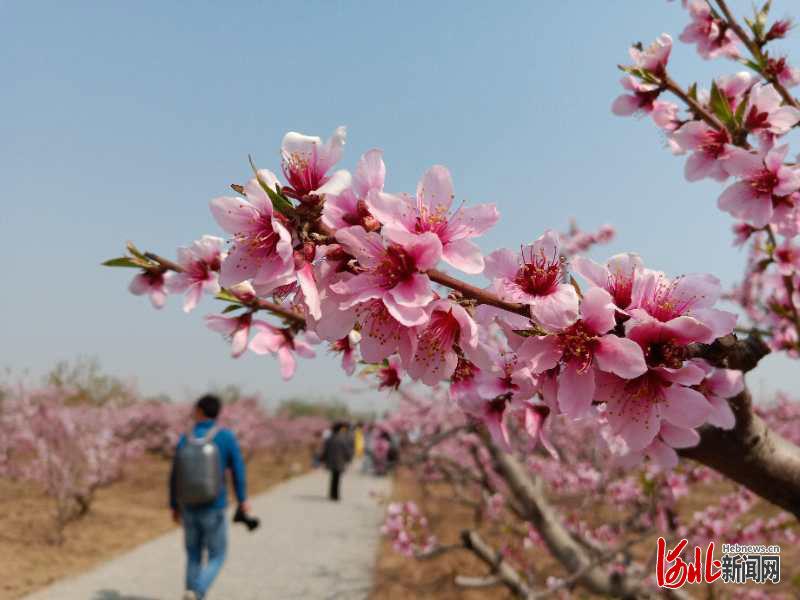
{"x": 336, "y": 476}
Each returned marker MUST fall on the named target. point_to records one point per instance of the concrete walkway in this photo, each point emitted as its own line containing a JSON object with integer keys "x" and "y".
{"x": 306, "y": 548}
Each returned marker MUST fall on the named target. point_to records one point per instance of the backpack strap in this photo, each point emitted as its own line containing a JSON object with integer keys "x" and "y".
{"x": 210, "y": 434}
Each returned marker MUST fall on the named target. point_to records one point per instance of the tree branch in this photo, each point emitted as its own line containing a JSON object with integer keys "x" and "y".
{"x": 502, "y": 571}
{"x": 475, "y": 293}
{"x": 753, "y": 455}
{"x": 258, "y": 304}
{"x": 562, "y": 544}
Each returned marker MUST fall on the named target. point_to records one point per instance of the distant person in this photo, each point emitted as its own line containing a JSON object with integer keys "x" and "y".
{"x": 368, "y": 464}
{"x": 358, "y": 440}
{"x": 198, "y": 494}
{"x": 336, "y": 453}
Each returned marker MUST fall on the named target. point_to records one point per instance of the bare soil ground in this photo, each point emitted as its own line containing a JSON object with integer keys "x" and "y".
{"x": 122, "y": 516}
{"x": 399, "y": 578}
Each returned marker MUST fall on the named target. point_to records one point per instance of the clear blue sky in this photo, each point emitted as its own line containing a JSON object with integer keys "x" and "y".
{"x": 120, "y": 120}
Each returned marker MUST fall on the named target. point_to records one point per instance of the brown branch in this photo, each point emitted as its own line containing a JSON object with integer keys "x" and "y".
{"x": 696, "y": 107}
{"x": 729, "y": 352}
{"x": 475, "y": 293}
{"x": 538, "y": 511}
{"x": 258, "y": 304}
{"x": 504, "y": 572}
{"x": 752, "y": 455}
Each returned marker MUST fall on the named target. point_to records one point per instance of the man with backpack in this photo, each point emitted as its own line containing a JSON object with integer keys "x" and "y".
{"x": 198, "y": 495}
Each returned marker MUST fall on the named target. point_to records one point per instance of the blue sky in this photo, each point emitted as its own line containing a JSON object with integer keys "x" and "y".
{"x": 121, "y": 120}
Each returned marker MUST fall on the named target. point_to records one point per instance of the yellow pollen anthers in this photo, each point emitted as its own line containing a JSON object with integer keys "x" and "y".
{"x": 577, "y": 344}
{"x": 298, "y": 161}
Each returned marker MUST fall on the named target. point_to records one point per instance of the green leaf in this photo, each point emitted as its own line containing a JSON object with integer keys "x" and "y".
{"x": 135, "y": 251}
{"x": 279, "y": 201}
{"x": 721, "y": 107}
{"x": 231, "y": 308}
{"x": 692, "y": 92}
{"x": 740, "y": 110}
{"x": 758, "y": 68}
{"x": 124, "y": 261}
{"x": 226, "y": 296}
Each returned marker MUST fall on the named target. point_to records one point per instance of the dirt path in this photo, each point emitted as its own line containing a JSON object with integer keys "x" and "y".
{"x": 307, "y": 548}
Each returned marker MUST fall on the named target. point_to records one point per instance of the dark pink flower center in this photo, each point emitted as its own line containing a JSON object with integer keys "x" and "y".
{"x": 301, "y": 173}
{"x": 713, "y": 144}
{"x": 785, "y": 255}
{"x": 465, "y": 371}
{"x": 620, "y": 286}
{"x": 577, "y": 343}
{"x": 539, "y": 274}
{"x": 665, "y": 354}
{"x": 362, "y": 217}
{"x": 155, "y": 279}
{"x": 664, "y": 304}
{"x": 646, "y": 389}
{"x": 756, "y": 120}
{"x": 439, "y": 336}
{"x": 342, "y": 345}
{"x": 434, "y": 221}
{"x": 497, "y": 406}
{"x": 388, "y": 378}
{"x": 764, "y": 182}
{"x": 396, "y": 266}
{"x": 377, "y": 323}
{"x": 647, "y": 99}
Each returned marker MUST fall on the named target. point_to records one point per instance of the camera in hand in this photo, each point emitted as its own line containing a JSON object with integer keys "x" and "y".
{"x": 242, "y": 517}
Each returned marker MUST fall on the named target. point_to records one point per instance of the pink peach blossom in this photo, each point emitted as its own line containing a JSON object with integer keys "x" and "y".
{"x": 717, "y": 387}
{"x": 642, "y": 99}
{"x": 430, "y": 212}
{"x": 349, "y": 207}
{"x": 201, "y": 264}
{"x": 261, "y": 247}
{"x": 346, "y": 346}
{"x": 281, "y": 342}
{"x": 654, "y": 58}
{"x": 237, "y": 329}
{"x": 766, "y": 114}
{"x": 435, "y": 358}
{"x": 711, "y": 148}
{"x": 713, "y": 38}
{"x": 616, "y": 276}
{"x": 581, "y": 349}
{"x": 534, "y": 276}
{"x": 393, "y": 271}
{"x": 390, "y": 374}
{"x": 763, "y": 177}
{"x": 685, "y": 304}
{"x": 151, "y": 283}
{"x": 306, "y": 162}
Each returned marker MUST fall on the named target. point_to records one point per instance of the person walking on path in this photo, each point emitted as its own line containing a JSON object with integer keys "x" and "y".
{"x": 198, "y": 495}
{"x": 336, "y": 453}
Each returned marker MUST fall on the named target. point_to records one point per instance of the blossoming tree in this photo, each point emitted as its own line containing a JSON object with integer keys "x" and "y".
{"x": 648, "y": 361}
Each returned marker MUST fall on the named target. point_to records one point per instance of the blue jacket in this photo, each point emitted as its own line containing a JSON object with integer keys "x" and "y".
{"x": 231, "y": 457}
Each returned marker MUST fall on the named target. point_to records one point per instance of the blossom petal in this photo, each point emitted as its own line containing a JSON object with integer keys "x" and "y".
{"x": 684, "y": 406}
{"x": 620, "y": 356}
{"x": 463, "y": 255}
{"x": 575, "y": 390}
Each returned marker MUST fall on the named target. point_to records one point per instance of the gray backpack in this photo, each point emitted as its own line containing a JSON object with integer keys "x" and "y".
{"x": 198, "y": 470}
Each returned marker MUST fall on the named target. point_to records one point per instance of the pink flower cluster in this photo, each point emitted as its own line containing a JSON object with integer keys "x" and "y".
{"x": 734, "y": 134}
{"x": 408, "y": 529}
{"x": 353, "y": 265}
